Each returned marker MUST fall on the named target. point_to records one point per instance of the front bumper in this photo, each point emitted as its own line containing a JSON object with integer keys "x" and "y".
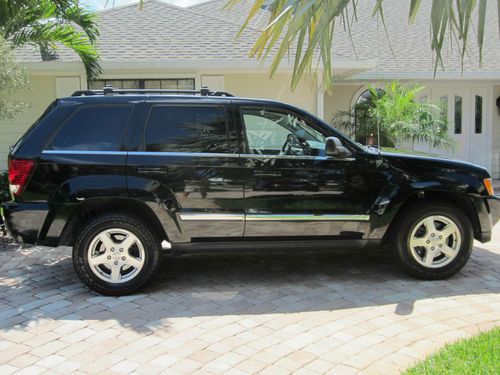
{"x": 488, "y": 212}
{"x": 494, "y": 204}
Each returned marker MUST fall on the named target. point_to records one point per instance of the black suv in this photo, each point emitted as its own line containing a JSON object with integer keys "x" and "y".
{"x": 122, "y": 174}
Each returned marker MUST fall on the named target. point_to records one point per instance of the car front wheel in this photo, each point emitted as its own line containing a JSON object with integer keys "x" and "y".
{"x": 115, "y": 255}
{"x": 434, "y": 240}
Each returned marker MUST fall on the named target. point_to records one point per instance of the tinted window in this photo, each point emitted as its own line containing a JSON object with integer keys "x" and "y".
{"x": 97, "y": 128}
{"x": 186, "y": 129}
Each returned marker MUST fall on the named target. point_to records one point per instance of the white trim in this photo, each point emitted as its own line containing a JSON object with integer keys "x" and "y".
{"x": 440, "y": 76}
{"x": 320, "y": 96}
{"x": 206, "y": 65}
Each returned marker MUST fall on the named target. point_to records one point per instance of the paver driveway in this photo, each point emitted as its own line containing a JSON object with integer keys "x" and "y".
{"x": 306, "y": 314}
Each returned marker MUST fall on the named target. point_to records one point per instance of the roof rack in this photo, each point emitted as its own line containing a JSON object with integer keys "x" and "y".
{"x": 109, "y": 90}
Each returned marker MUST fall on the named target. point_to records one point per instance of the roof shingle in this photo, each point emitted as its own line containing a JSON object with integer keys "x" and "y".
{"x": 207, "y": 32}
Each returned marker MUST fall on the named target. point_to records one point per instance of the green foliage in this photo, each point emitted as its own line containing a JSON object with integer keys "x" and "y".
{"x": 305, "y": 29}
{"x": 478, "y": 355}
{"x": 4, "y": 187}
{"x": 400, "y": 116}
{"x": 45, "y": 23}
{"x": 12, "y": 78}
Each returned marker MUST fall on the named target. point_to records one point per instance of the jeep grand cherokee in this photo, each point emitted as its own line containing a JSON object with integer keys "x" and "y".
{"x": 121, "y": 175}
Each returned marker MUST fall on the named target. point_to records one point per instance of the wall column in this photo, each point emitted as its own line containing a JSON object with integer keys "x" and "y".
{"x": 320, "y": 96}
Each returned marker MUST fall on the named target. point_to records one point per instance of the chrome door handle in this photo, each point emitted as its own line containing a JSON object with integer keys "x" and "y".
{"x": 151, "y": 170}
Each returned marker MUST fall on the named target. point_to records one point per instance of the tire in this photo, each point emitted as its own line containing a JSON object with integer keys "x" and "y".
{"x": 116, "y": 255}
{"x": 437, "y": 253}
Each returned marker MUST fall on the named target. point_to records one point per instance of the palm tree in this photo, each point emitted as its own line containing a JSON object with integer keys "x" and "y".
{"x": 308, "y": 26}
{"x": 399, "y": 116}
{"x": 46, "y": 23}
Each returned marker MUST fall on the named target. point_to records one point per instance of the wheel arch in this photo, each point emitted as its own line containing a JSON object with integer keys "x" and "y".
{"x": 95, "y": 207}
{"x": 453, "y": 198}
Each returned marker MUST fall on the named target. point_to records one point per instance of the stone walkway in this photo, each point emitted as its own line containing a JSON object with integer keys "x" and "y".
{"x": 273, "y": 314}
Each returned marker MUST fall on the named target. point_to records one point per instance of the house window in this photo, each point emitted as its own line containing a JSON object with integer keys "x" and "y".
{"x": 479, "y": 114}
{"x": 165, "y": 84}
{"x": 458, "y": 114}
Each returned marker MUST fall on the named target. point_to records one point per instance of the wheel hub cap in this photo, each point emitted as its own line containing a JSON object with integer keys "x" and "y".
{"x": 116, "y": 255}
{"x": 435, "y": 241}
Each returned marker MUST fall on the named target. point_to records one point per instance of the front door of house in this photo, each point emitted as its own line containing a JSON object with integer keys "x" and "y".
{"x": 465, "y": 110}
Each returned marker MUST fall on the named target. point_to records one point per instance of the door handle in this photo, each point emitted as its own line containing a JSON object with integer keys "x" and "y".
{"x": 151, "y": 170}
{"x": 267, "y": 174}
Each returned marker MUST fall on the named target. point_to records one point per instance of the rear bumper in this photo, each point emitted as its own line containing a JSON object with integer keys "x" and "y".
{"x": 24, "y": 221}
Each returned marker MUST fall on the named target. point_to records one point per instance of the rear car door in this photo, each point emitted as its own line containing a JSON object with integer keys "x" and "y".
{"x": 82, "y": 160}
{"x": 293, "y": 189}
{"x": 187, "y": 168}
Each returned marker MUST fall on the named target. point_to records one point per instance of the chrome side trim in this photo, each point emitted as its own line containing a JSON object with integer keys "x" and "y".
{"x": 212, "y": 217}
{"x": 76, "y": 152}
{"x": 271, "y": 217}
{"x": 300, "y": 217}
{"x": 192, "y": 154}
{"x": 184, "y": 154}
{"x": 293, "y": 157}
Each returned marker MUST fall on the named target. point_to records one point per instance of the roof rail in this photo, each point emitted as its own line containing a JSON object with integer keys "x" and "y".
{"x": 109, "y": 90}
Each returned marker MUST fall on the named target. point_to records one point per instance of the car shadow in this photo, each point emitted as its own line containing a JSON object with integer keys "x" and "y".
{"x": 46, "y": 287}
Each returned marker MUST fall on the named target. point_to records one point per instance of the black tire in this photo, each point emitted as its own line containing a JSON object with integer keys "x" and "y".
{"x": 150, "y": 244}
{"x": 409, "y": 220}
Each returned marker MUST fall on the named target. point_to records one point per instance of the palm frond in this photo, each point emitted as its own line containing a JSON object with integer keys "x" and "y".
{"x": 305, "y": 28}
{"x": 47, "y": 22}
{"x": 399, "y": 116}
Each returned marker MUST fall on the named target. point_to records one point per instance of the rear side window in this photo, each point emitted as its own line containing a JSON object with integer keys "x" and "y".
{"x": 186, "y": 129}
{"x": 93, "y": 128}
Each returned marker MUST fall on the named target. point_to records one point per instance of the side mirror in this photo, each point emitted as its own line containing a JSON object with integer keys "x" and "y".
{"x": 336, "y": 149}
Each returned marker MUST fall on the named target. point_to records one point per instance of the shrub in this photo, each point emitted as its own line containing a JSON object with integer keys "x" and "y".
{"x": 4, "y": 187}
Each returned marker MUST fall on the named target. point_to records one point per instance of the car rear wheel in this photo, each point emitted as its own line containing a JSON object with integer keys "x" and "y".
{"x": 434, "y": 240}
{"x": 116, "y": 255}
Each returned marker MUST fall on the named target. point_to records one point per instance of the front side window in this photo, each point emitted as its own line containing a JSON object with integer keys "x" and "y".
{"x": 271, "y": 132}
{"x": 93, "y": 128}
{"x": 186, "y": 129}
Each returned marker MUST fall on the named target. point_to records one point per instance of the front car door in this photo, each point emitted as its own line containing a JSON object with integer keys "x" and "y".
{"x": 292, "y": 188}
{"x": 187, "y": 168}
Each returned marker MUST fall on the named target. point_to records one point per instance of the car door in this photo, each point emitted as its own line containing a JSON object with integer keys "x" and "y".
{"x": 187, "y": 169}
{"x": 292, "y": 188}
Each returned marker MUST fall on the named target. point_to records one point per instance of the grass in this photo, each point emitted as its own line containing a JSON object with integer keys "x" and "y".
{"x": 477, "y": 355}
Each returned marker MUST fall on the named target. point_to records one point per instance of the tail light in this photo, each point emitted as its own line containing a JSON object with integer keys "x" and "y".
{"x": 19, "y": 173}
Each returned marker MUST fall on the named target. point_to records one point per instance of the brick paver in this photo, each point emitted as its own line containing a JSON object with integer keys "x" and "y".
{"x": 240, "y": 314}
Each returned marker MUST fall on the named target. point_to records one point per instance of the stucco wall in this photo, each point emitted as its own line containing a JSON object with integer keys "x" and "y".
{"x": 41, "y": 94}
{"x": 339, "y": 100}
{"x": 495, "y": 162}
{"x": 278, "y": 88}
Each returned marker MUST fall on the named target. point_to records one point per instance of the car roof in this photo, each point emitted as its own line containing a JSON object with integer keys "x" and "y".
{"x": 136, "y": 98}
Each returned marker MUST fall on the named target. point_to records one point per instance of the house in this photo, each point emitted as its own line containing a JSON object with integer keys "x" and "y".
{"x": 165, "y": 46}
